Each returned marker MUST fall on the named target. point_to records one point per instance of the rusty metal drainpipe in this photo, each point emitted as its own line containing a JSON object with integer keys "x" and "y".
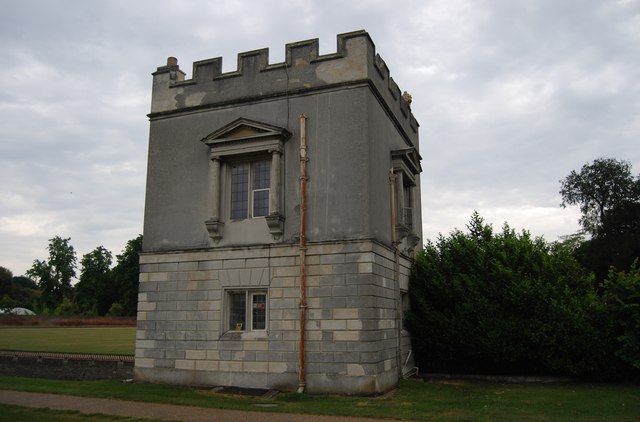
{"x": 303, "y": 248}
{"x": 392, "y": 186}
{"x": 396, "y": 270}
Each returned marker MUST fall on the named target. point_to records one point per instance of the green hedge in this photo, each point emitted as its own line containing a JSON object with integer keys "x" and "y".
{"x": 506, "y": 303}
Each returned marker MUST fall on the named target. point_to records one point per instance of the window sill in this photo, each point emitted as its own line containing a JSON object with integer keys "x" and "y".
{"x": 244, "y": 335}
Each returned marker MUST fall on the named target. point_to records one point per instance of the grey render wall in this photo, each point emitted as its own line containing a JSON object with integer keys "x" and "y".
{"x": 178, "y": 170}
{"x": 356, "y": 117}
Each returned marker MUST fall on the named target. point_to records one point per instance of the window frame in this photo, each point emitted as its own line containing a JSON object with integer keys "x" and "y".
{"x": 407, "y": 203}
{"x": 250, "y": 188}
{"x": 248, "y": 325}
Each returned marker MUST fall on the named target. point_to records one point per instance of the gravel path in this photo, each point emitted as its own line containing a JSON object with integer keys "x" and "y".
{"x": 156, "y": 410}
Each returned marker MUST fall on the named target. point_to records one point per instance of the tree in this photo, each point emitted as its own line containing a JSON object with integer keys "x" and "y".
{"x": 16, "y": 291}
{"x": 126, "y": 274}
{"x": 600, "y": 187}
{"x": 7, "y": 303}
{"x": 25, "y": 292}
{"x": 54, "y": 275}
{"x": 6, "y": 277}
{"x": 617, "y": 243}
{"x": 23, "y": 282}
{"x": 609, "y": 199}
{"x": 95, "y": 291}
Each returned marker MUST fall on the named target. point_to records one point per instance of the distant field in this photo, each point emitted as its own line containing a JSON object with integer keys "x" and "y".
{"x": 73, "y": 321}
{"x": 116, "y": 340}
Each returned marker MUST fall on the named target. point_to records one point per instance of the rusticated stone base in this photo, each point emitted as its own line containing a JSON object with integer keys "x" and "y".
{"x": 354, "y": 340}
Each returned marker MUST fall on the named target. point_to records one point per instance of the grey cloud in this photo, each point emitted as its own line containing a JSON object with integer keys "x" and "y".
{"x": 510, "y": 96}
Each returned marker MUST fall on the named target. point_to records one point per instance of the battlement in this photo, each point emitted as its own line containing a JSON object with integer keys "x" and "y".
{"x": 304, "y": 69}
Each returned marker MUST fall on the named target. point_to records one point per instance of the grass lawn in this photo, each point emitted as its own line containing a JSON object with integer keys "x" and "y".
{"x": 117, "y": 340}
{"x": 413, "y": 400}
{"x": 15, "y": 413}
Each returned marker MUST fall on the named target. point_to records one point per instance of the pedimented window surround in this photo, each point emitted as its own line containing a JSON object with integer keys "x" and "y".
{"x": 244, "y": 138}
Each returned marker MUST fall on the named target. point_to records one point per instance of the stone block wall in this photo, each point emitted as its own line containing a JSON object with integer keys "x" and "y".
{"x": 65, "y": 366}
{"x": 354, "y": 342}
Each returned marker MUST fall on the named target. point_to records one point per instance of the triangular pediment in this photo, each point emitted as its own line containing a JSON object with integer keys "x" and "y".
{"x": 409, "y": 157}
{"x": 245, "y": 129}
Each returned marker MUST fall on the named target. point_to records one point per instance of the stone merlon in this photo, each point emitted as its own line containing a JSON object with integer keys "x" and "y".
{"x": 302, "y": 72}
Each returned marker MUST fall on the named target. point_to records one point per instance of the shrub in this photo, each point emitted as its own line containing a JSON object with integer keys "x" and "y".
{"x": 502, "y": 303}
{"x": 116, "y": 310}
{"x": 622, "y": 299}
{"x": 65, "y": 308}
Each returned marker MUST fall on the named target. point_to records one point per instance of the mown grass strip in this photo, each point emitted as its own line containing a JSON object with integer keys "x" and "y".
{"x": 413, "y": 400}
{"x": 110, "y": 340}
{"x": 16, "y": 413}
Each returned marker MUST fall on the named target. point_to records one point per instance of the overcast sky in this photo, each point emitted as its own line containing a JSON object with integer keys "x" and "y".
{"x": 510, "y": 95}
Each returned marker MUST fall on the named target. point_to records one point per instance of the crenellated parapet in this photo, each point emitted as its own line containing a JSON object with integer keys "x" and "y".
{"x": 304, "y": 70}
